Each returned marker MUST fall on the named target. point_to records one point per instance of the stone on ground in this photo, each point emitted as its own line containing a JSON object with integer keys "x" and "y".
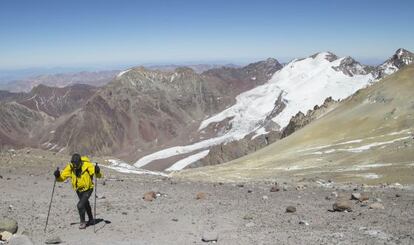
{"x": 210, "y": 236}
{"x": 149, "y": 196}
{"x": 274, "y": 189}
{"x": 7, "y": 224}
{"x": 53, "y": 240}
{"x": 201, "y": 196}
{"x": 290, "y": 209}
{"x": 342, "y": 205}
{"x": 5, "y": 236}
{"x": 355, "y": 196}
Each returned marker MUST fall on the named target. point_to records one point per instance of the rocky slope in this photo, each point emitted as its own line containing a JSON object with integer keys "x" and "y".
{"x": 28, "y": 118}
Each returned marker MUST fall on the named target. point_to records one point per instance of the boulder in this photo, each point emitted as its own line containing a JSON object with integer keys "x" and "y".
{"x": 149, "y": 196}
{"x": 20, "y": 240}
{"x": 209, "y": 237}
{"x": 303, "y": 222}
{"x": 290, "y": 209}
{"x": 342, "y": 205}
{"x": 7, "y": 224}
{"x": 274, "y": 189}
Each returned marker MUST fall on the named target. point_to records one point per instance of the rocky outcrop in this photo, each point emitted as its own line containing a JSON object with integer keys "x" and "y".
{"x": 232, "y": 150}
{"x": 351, "y": 67}
{"x": 300, "y": 120}
{"x": 400, "y": 59}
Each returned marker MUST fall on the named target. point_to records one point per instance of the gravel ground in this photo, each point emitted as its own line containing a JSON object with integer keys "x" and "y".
{"x": 245, "y": 213}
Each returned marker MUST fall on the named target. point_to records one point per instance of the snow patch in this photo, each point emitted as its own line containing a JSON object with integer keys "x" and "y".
{"x": 123, "y": 167}
{"x": 122, "y": 73}
{"x": 187, "y": 161}
{"x": 369, "y": 176}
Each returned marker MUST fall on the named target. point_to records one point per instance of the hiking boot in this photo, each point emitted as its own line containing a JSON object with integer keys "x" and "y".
{"x": 82, "y": 226}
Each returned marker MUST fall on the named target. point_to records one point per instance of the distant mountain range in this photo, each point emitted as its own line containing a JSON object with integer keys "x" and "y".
{"x": 24, "y": 81}
{"x": 172, "y": 119}
{"x": 98, "y": 79}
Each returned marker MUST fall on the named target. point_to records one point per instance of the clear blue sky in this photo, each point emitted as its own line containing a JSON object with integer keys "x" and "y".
{"x": 82, "y": 33}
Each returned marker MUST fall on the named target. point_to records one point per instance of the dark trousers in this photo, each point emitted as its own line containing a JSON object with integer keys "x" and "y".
{"x": 84, "y": 205}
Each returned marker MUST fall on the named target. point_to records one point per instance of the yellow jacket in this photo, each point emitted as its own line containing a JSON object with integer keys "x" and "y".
{"x": 84, "y": 182}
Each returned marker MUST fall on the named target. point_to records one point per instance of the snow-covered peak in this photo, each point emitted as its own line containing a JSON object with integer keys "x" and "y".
{"x": 401, "y": 57}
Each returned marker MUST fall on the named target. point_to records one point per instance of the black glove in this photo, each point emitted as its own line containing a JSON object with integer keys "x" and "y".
{"x": 57, "y": 173}
{"x": 97, "y": 169}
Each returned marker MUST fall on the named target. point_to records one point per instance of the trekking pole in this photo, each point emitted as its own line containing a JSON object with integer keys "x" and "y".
{"x": 94, "y": 206}
{"x": 50, "y": 204}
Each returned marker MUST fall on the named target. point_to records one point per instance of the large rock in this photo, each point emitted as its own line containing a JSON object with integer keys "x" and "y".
{"x": 7, "y": 224}
{"x": 210, "y": 237}
{"x": 20, "y": 240}
{"x": 290, "y": 209}
{"x": 342, "y": 205}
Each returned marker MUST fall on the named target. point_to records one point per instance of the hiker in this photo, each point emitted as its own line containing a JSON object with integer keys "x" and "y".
{"x": 81, "y": 171}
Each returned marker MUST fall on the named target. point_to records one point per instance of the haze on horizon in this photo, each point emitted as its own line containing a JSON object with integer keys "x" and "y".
{"x": 113, "y": 33}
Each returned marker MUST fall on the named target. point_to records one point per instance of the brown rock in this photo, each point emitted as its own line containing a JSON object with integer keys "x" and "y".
{"x": 149, "y": 196}
{"x": 363, "y": 197}
{"x": 342, "y": 205}
{"x": 274, "y": 189}
{"x": 201, "y": 195}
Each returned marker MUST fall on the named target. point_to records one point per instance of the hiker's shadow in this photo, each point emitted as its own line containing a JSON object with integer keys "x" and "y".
{"x": 96, "y": 221}
{"x": 100, "y": 227}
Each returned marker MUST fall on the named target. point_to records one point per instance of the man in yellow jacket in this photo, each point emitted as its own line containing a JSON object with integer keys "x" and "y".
{"x": 81, "y": 172}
